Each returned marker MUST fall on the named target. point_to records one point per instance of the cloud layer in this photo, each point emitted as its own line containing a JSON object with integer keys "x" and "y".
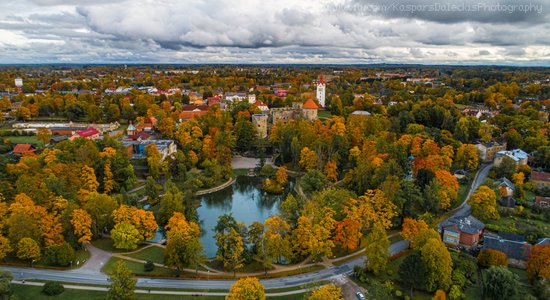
{"x": 270, "y": 31}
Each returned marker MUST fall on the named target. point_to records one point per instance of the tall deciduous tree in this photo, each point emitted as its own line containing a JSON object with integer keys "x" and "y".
{"x": 411, "y": 228}
{"x": 233, "y": 247}
{"x": 248, "y": 288}
{"x": 183, "y": 248}
{"x": 377, "y": 251}
{"x": 501, "y": 283}
{"x": 538, "y": 262}
{"x": 484, "y": 204}
{"x": 125, "y": 236}
{"x": 123, "y": 283}
{"x": 28, "y": 249}
{"x": 439, "y": 265}
{"x": 308, "y": 159}
{"x": 82, "y": 224}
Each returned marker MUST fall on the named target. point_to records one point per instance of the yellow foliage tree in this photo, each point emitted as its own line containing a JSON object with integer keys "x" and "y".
{"x": 82, "y": 224}
{"x": 327, "y": 292}
{"x": 143, "y": 221}
{"x": 331, "y": 171}
{"x": 89, "y": 182}
{"x": 281, "y": 176}
{"x": 248, "y": 288}
{"x": 411, "y": 229}
{"x": 308, "y": 159}
{"x": 484, "y": 204}
{"x": 439, "y": 265}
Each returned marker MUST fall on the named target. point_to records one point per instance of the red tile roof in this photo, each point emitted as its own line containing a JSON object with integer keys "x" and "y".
{"x": 87, "y": 132}
{"x": 310, "y": 105}
{"x": 21, "y": 148}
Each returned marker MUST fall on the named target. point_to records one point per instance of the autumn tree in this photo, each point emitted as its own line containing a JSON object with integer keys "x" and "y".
{"x": 467, "y": 157}
{"x": 276, "y": 242}
{"x": 44, "y": 135}
{"x": 167, "y": 126}
{"x": 5, "y": 247}
{"x": 232, "y": 247}
{"x": 439, "y": 264}
{"x": 538, "y": 262}
{"x": 248, "y": 288}
{"x": 28, "y": 249}
{"x": 171, "y": 202}
{"x": 281, "y": 176}
{"x": 377, "y": 251}
{"x": 183, "y": 248}
{"x": 411, "y": 228}
{"x": 312, "y": 236}
{"x": 100, "y": 207}
{"x": 484, "y": 204}
{"x": 439, "y": 295}
{"x": 490, "y": 257}
{"x": 142, "y": 220}
{"x": 153, "y": 160}
{"x": 331, "y": 171}
{"x": 89, "y": 182}
{"x": 326, "y": 292}
{"x": 108, "y": 182}
{"x": 448, "y": 188}
{"x": 123, "y": 283}
{"x": 125, "y": 236}
{"x": 82, "y": 223}
{"x": 308, "y": 159}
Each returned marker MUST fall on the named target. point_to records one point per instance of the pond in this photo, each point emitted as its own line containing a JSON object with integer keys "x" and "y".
{"x": 244, "y": 199}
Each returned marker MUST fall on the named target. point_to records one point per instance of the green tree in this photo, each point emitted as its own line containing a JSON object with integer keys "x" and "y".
{"x": 5, "y": 283}
{"x": 232, "y": 248}
{"x": 246, "y": 134}
{"x": 28, "y": 249}
{"x": 439, "y": 265}
{"x": 412, "y": 272}
{"x": 313, "y": 181}
{"x": 100, "y": 207}
{"x": 170, "y": 203}
{"x": 377, "y": 251}
{"x": 500, "y": 283}
{"x": 507, "y": 168}
{"x": 125, "y": 236}
{"x": 123, "y": 283}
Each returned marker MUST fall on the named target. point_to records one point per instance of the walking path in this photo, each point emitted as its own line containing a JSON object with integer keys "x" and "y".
{"x": 97, "y": 259}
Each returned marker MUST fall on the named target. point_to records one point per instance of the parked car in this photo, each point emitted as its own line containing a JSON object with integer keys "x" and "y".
{"x": 360, "y": 296}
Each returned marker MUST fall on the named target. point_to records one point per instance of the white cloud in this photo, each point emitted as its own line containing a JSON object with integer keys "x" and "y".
{"x": 257, "y": 31}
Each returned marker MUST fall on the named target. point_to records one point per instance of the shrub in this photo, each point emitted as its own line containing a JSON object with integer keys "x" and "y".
{"x": 53, "y": 288}
{"x": 149, "y": 266}
{"x": 490, "y": 257}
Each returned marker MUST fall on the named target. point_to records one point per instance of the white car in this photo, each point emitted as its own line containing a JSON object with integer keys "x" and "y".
{"x": 360, "y": 296}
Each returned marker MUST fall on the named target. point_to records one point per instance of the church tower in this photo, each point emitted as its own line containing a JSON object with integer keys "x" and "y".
{"x": 321, "y": 91}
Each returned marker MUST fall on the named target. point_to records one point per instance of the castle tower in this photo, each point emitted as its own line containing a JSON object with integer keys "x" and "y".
{"x": 321, "y": 91}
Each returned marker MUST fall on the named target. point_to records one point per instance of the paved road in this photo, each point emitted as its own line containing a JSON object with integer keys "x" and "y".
{"x": 464, "y": 209}
{"x": 93, "y": 277}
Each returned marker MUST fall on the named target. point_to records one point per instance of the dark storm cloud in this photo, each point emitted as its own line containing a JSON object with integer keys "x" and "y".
{"x": 449, "y": 11}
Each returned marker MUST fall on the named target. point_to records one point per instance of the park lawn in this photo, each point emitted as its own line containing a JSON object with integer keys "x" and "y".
{"x": 240, "y": 172}
{"x": 154, "y": 254}
{"x": 136, "y": 268}
{"x": 106, "y": 244}
{"x": 23, "y": 139}
{"x": 34, "y": 292}
{"x": 253, "y": 267}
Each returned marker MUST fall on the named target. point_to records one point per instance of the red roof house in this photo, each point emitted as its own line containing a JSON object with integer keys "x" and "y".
{"x": 88, "y": 133}
{"x": 21, "y": 149}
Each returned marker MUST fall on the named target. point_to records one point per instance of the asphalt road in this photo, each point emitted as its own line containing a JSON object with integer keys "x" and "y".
{"x": 464, "y": 209}
{"x": 92, "y": 277}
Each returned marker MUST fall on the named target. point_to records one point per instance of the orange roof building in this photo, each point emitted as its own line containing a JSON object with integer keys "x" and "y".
{"x": 310, "y": 104}
{"x": 20, "y": 149}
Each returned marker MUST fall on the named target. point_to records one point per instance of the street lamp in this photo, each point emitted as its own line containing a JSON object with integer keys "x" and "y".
{"x": 208, "y": 278}
{"x": 32, "y": 263}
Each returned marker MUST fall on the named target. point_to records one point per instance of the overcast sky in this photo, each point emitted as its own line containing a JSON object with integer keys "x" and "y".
{"x": 275, "y": 31}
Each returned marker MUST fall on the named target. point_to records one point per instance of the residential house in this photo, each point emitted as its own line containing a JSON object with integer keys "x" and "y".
{"x": 190, "y": 111}
{"x": 517, "y": 155}
{"x": 487, "y": 150}
{"x": 361, "y": 113}
{"x": 507, "y": 189}
{"x": 21, "y": 149}
{"x": 88, "y": 133}
{"x": 262, "y": 106}
{"x": 234, "y": 97}
{"x": 513, "y": 245}
{"x": 460, "y": 230}
{"x": 251, "y": 98}
{"x": 541, "y": 180}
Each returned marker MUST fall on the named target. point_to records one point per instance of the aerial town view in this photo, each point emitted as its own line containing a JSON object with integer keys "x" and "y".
{"x": 262, "y": 149}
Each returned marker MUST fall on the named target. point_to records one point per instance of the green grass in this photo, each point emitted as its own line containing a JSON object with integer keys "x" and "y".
{"x": 136, "y": 268}
{"x": 153, "y": 254}
{"x": 343, "y": 261}
{"x": 25, "y": 139}
{"x": 34, "y": 292}
{"x": 324, "y": 114}
{"x": 107, "y": 245}
{"x": 240, "y": 172}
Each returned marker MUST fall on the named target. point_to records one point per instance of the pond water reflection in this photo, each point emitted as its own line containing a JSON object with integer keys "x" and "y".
{"x": 244, "y": 199}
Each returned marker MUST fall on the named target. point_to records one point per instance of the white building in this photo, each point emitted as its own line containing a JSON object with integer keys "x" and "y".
{"x": 321, "y": 91}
